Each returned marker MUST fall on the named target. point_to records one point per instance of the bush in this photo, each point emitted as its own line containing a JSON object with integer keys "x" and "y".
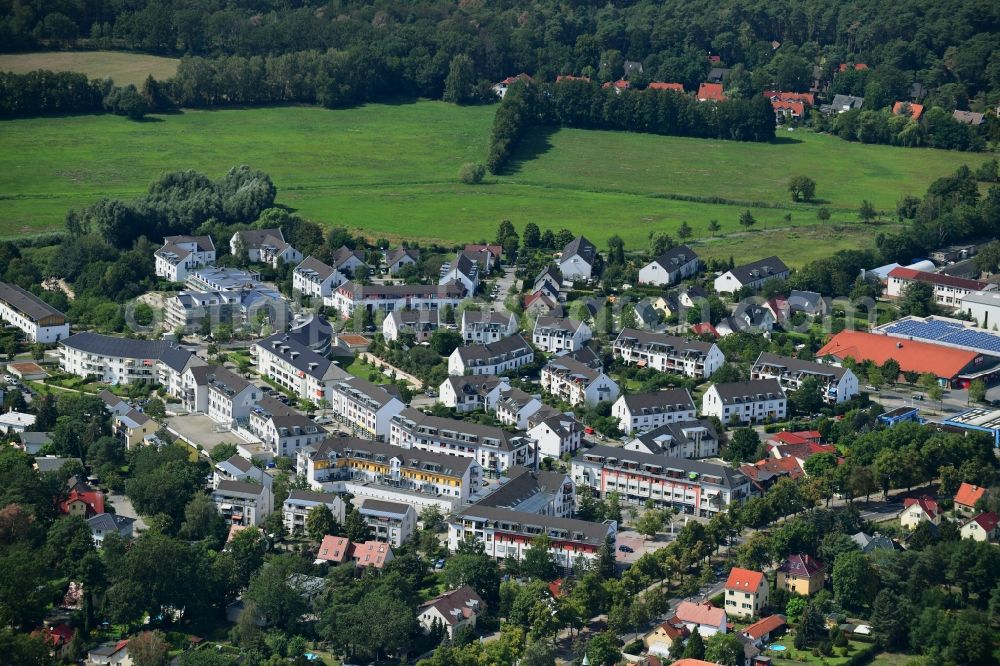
{"x": 635, "y": 647}
{"x": 823, "y": 214}
{"x": 472, "y": 173}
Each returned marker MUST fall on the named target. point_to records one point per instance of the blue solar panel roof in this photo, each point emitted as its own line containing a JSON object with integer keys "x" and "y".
{"x": 945, "y": 332}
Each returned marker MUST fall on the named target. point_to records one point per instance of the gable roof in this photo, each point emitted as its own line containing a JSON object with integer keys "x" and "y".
{"x": 108, "y": 345}
{"x": 334, "y": 549}
{"x": 912, "y": 355}
{"x": 660, "y": 85}
{"x": 926, "y": 504}
{"x": 654, "y": 402}
{"x": 765, "y": 626}
{"x": 711, "y": 91}
{"x": 661, "y": 440}
{"x": 761, "y": 269}
{"x": 969, "y": 117}
{"x": 987, "y": 520}
{"x": 744, "y": 580}
{"x": 802, "y": 564}
{"x": 969, "y": 494}
{"x": 800, "y": 366}
{"x": 676, "y": 257}
{"x": 26, "y": 303}
{"x": 312, "y": 265}
{"x": 695, "y": 613}
{"x": 580, "y": 247}
{"x": 455, "y": 605}
{"x": 753, "y": 390}
{"x": 916, "y": 110}
{"x": 940, "y": 279}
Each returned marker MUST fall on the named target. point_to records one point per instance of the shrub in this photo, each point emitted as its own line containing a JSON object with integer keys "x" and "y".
{"x": 823, "y": 214}
{"x": 472, "y": 173}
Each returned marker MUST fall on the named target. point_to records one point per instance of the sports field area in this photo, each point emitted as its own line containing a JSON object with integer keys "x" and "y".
{"x": 391, "y": 170}
{"x": 123, "y": 68}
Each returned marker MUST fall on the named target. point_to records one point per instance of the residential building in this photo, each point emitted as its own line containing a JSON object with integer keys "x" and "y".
{"x": 352, "y": 296}
{"x": 577, "y": 383}
{"x": 33, "y": 442}
{"x": 374, "y": 554}
{"x": 577, "y": 260}
{"x": 81, "y": 499}
{"x": 296, "y": 508}
{"x": 968, "y": 497}
{"x": 104, "y": 524}
{"x": 314, "y": 278}
{"x": 238, "y": 468}
{"x": 455, "y": 609}
{"x": 507, "y": 533}
{"x": 224, "y": 295}
{"x": 645, "y": 411}
{"x": 283, "y": 430}
{"x": 487, "y": 327}
{"x": 662, "y": 637}
{"x": 495, "y": 449}
{"x": 948, "y": 290}
{"x": 292, "y": 364}
{"x": 747, "y": 317}
{"x": 46, "y": 464}
{"x": 836, "y": 383}
{"x": 365, "y": 408}
{"x": 467, "y": 393}
{"x": 349, "y": 262}
{"x": 398, "y": 259}
{"x": 134, "y": 428}
{"x": 765, "y": 473}
{"x": 842, "y": 103}
{"x": 502, "y": 87}
{"x": 762, "y": 631}
{"x": 555, "y": 433}
{"x": 711, "y": 92}
{"x": 39, "y": 321}
{"x": 668, "y": 353}
{"x": 540, "y": 304}
{"x": 548, "y": 282}
{"x": 264, "y": 246}
{"x": 969, "y": 117}
{"x": 230, "y": 397}
{"x": 463, "y": 271}
{"x": 647, "y": 316}
{"x": 180, "y": 254}
{"x": 870, "y": 543}
{"x": 807, "y": 302}
{"x": 703, "y": 617}
{"x": 538, "y": 492}
{"x": 751, "y": 276}
{"x": 692, "y": 486}
{"x": 421, "y": 324}
{"x": 417, "y": 471}
{"x": 514, "y": 407}
{"x": 755, "y": 401}
{"x": 391, "y": 522}
{"x": 678, "y": 439}
{"x": 802, "y": 574}
{"x": 671, "y": 267}
{"x": 110, "y": 654}
{"x": 913, "y": 110}
{"x": 242, "y": 502}
{"x": 746, "y": 593}
{"x": 919, "y": 509}
{"x": 557, "y": 335}
{"x": 496, "y": 358}
{"x": 984, "y": 527}
{"x": 122, "y": 361}
{"x": 661, "y": 85}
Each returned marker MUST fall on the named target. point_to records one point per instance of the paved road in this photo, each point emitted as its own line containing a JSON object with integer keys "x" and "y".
{"x": 505, "y": 284}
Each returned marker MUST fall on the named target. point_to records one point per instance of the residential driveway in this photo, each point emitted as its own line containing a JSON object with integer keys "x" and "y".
{"x": 505, "y": 284}
{"x": 199, "y": 430}
{"x": 123, "y": 507}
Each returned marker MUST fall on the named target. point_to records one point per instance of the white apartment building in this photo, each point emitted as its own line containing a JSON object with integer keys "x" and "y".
{"x": 755, "y": 401}
{"x": 534, "y": 491}
{"x": 497, "y": 358}
{"x": 40, "y": 321}
{"x": 467, "y": 393}
{"x": 221, "y": 394}
{"x": 296, "y": 367}
{"x": 487, "y": 327}
{"x": 495, "y": 449}
{"x": 295, "y": 510}
{"x": 282, "y": 429}
{"x": 645, "y": 411}
{"x": 837, "y": 383}
{"x": 462, "y": 271}
{"x": 680, "y": 439}
{"x": 577, "y": 383}
{"x": 555, "y": 335}
{"x": 181, "y": 254}
{"x": 243, "y": 503}
{"x": 514, "y": 407}
{"x": 668, "y": 353}
{"x": 421, "y": 324}
{"x": 314, "y": 278}
{"x": 671, "y": 267}
{"x": 238, "y": 468}
{"x": 363, "y": 407}
{"x": 556, "y": 434}
{"x": 351, "y": 296}
{"x": 751, "y": 276}
{"x": 264, "y": 246}
{"x": 391, "y": 522}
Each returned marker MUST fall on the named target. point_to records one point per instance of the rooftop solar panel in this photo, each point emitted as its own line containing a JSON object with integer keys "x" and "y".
{"x": 954, "y": 334}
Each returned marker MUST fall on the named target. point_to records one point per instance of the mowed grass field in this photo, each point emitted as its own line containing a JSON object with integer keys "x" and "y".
{"x": 391, "y": 170}
{"x": 124, "y": 68}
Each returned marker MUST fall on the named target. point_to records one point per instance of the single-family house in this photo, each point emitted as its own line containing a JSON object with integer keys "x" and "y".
{"x": 801, "y": 573}
{"x": 984, "y": 527}
{"x": 671, "y": 267}
{"x": 467, "y": 393}
{"x": 967, "y": 497}
{"x": 703, "y": 617}
{"x": 746, "y": 593}
{"x": 751, "y": 276}
{"x": 180, "y": 254}
{"x": 398, "y": 259}
{"x": 918, "y": 509}
{"x": 110, "y": 654}
{"x": 577, "y": 260}
{"x": 264, "y": 246}
{"x": 711, "y": 92}
{"x": 663, "y": 636}
{"x": 104, "y": 524}
{"x": 451, "y": 611}
{"x": 763, "y": 630}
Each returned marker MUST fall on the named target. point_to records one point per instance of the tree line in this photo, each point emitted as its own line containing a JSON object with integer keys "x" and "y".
{"x": 587, "y": 105}
{"x": 43, "y": 93}
{"x": 935, "y": 129}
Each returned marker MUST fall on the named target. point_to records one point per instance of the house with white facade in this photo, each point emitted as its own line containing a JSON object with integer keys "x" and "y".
{"x": 467, "y": 393}
{"x": 949, "y": 290}
{"x": 284, "y": 359}
{"x": 695, "y": 438}
{"x": 351, "y": 296}
{"x": 283, "y": 430}
{"x": 671, "y": 267}
{"x": 535, "y": 491}
{"x": 365, "y": 408}
{"x": 576, "y": 262}
{"x": 983, "y": 307}
{"x": 577, "y": 383}
{"x": 514, "y": 407}
{"x": 349, "y": 261}
{"x": 453, "y": 610}
{"x": 242, "y": 502}
{"x": 495, "y": 449}
{"x": 496, "y": 358}
{"x": 668, "y": 353}
{"x": 391, "y": 522}
{"x": 837, "y": 383}
{"x": 751, "y": 276}
{"x": 645, "y": 411}
{"x": 555, "y": 335}
{"x": 295, "y": 510}
{"x": 238, "y": 468}
{"x": 263, "y": 246}
{"x": 421, "y": 324}
{"x": 181, "y": 254}
{"x": 554, "y": 433}
{"x": 314, "y": 278}
{"x": 755, "y": 401}
{"x": 464, "y": 271}
{"x": 487, "y": 327}
{"x": 398, "y": 259}
{"x": 104, "y": 524}
{"x": 39, "y": 321}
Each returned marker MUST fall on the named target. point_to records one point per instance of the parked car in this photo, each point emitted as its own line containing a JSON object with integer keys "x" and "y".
{"x": 626, "y": 549}
{"x": 918, "y": 396}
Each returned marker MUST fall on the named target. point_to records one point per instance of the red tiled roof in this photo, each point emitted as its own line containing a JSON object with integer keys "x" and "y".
{"x": 554, "y": 588}
{"x": 802, "y": 451}
{"x": 797, "y": 108}
{"x": 693, "y": 662}
{"x": 706, "y": 613}
{"x": 802, "y": 564}
{"x": 711, "y": 91}
{"x": 714, "y": 58}
{"x": 903, "y": 273}
{"x": 704, "y": 327}
{"x": 779, "y": 467}
{"x": 927, "y": 504}
{"x": 371, "y": 554}
{"x": 779, "y": 95}
{"x": 765, "y": 626}
{"x": 674, "y": 631}
{"x": 744, "y": 580}
{"x": 495, "y": 250}
{"x": 969, "y": 494}
{"x": 987, "y": 520}
{"x": 660, "y": 85}
{"x": 510, "y": 80}
{"x": 621, "y": 84}
{"x": 912, "y": 355}
{"x": 916, "y": 110}
{"x": 94, "y": 499}
{"x": 334, "y": 549}
{"x": 859, "y": 67}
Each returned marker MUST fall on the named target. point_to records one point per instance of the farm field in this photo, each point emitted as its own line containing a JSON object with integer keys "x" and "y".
{"x": 123, "y": 68}
{"x": 391, "y": 170}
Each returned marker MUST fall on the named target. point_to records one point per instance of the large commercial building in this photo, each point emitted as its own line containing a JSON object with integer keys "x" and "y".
{"x": 668, "y": 353}
{"x": 40, "y": 321}
{"x": 691, "y": 486}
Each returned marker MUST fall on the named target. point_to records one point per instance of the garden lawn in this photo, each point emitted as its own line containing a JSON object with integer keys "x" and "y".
{"x": 123, "y": 68}
{"x": 391, "y": 170}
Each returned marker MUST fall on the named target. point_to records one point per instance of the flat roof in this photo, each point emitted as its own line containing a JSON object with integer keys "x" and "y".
{"x": 977, "y": 417}
{"x": 944, "y": 331}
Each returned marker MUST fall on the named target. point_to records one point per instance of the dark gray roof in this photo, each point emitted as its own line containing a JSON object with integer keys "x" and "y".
{"x": 344, "y": 254}
{"x": 106, "y": 345}
{"x": 751, "y": 391}
{"x": 316, "y": 333}
{"x": 53, "y": 463}
{"x": 848, "y": 102}
{"x": 571, "y": 529}
{"x": 353, "y": 448}
{"x": 301, "y": 356}
{"x": 662, "y": 343}
{"x": 556, "y": 325}
{"x": 569, "y": 366}
{"x": 239, "y": 488}
{"x": 203, "y": 243}
{"x": 674, "y": 258}
{"x": 799, "y": 366}
{"x": 717, "y": 74}
{"x": 312, "y": 265}
{"x": 806, "y": 301}
{"x": 27, "y": 303}
{"x": 721, "y": 475}
{"x": 761, "y": 269}
{"x": 434, "y": 426}
{"x": 311, "y": 496}
{"x": 108, "y": 522}
{"x": 655, "y": 402}
{"x": 581, "y": 247}
{"x": 469, "y": 384}
{"x": 358, "y": 291}
{"x": 695, "y": 292}
{"x": 401, "y": 252}
{"x": 676, "y": 431}
{"x": 226, "y": 381}
{"x": 362, "y": 389}
{"x": 383, "y": 506}
{"x": 37, "y": 438}
{"x": 509, "y": 347}
{"x": 523, "y": 484}
{"x": 239, "y": 462}
{"x": 256, "y": 238}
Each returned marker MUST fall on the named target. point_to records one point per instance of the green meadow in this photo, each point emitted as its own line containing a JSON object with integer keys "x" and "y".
{"x": 391, "y": 170}
{"x": 123, "y": 68}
